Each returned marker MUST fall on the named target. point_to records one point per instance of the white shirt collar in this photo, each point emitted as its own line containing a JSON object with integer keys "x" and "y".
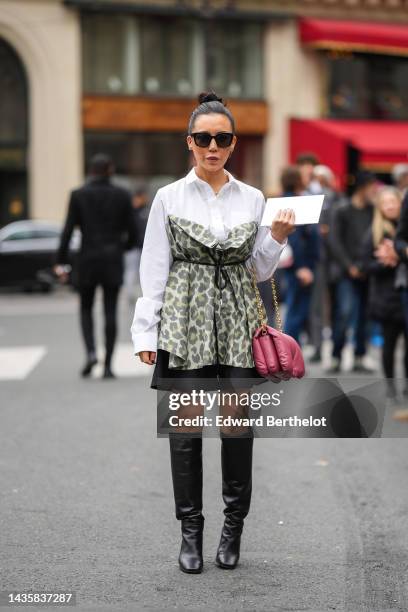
{"x": 192, "y": 176}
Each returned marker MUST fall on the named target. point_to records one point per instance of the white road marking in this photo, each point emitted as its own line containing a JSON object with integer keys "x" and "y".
{"x": 17, "y": 362}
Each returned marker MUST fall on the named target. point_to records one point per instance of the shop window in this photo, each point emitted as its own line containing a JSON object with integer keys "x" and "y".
{"x": 105, "y": 47}
{"x": 166, "y": 54}
{"x": 234, "y": 59}
{"x": 153, "y": 158}
{"x": 367, "y": 86}
{"x": 129, "y": 54}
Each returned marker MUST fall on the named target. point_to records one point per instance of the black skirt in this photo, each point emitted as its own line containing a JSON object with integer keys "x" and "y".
{"x": 209, "y": 377}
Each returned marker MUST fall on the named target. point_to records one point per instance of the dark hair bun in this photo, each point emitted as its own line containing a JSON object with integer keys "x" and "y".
{"x": 209, "y": 96}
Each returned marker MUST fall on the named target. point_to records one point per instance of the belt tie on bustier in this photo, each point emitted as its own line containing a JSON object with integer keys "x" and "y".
{"x": 220, "y": 275}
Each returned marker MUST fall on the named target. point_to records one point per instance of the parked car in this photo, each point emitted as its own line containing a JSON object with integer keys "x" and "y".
{"x": 27, "y": 251}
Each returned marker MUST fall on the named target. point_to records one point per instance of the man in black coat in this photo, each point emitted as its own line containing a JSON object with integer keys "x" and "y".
{"x": 103, "y": 212}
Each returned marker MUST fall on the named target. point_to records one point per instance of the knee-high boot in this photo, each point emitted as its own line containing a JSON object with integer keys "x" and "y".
{"x": 236, "y": 462}
{"x": 187, "y": 474}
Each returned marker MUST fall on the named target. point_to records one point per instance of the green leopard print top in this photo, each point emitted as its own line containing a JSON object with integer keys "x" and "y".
{"x": 209, "y": 300}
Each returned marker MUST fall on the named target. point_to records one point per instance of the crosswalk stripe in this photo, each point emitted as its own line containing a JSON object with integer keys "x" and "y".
{"x": 17, "y": 362}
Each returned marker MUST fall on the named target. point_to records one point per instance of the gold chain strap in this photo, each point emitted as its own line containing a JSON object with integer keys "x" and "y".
{"x": 262, "y": 316}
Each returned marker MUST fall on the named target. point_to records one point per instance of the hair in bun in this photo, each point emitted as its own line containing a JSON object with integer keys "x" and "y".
{"x": 209, "y": 96}
{"x": 209, "y": 102}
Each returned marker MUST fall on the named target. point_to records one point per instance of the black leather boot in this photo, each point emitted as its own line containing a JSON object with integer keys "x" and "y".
{"x": 187, "y": 473}
{"x": 236, "y": 462}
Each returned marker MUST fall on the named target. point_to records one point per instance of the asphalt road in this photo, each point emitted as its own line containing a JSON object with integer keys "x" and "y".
{"x": 86, "y": 499}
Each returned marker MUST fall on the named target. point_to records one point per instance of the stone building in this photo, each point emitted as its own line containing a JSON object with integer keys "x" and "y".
{"x": 80, "y": 76}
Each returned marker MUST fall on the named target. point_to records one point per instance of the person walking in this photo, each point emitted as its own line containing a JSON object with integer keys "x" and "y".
{"x": 384, "y": 300}
{"x": 198, "y": 312}
{"x": 350, "y": 223}
{"x": 103, "y": 212}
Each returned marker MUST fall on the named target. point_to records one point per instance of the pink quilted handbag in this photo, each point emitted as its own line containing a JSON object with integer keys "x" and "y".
{"x": 276, "y": 355}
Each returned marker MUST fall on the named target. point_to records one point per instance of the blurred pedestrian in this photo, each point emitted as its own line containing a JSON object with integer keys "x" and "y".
{"x": 141, "y": 209}
{"x": 326, "y": 180}
{"x": 400, "y": 178}
{"x": 351, "y": 221}
{"x": 103, "y": 213}
{"x": 304, "y": 243}
{"x": 401, "y": 247}
{"x": 332, "y": 197}
{"x": 306, "y": 162}
{"x": 384, "y": 300}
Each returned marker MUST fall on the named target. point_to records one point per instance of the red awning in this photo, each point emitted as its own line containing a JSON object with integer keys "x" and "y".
{"x": 354, "y": 35}
{"x": 381, "y": 144}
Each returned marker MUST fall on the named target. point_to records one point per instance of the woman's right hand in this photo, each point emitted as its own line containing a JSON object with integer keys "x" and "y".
{"x": 148, "y": 357}
{"x": 283, "y": 224}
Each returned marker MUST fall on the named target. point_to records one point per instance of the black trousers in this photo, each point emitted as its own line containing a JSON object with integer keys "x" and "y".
{"x": 391, "y": 332}
{"x": 110, "y": 300}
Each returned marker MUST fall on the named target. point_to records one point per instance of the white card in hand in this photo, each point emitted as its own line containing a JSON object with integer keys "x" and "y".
{"x": 307, "y": 208}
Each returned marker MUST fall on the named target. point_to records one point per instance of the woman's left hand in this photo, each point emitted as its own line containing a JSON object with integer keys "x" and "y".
{"x": 283, "y": 224}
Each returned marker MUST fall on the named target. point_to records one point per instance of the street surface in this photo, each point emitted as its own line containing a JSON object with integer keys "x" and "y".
{"x": 87, "y": 502}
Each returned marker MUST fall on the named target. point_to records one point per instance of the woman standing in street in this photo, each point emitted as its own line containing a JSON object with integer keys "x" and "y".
{"x": 198, "y": 312}
{"x": 384, "y": 300}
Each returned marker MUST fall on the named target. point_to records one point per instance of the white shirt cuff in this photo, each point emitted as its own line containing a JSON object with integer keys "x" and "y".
{"x": 144, "y": 329}
{"x": 269, "y": 242}
{"x": 144, "y": 341}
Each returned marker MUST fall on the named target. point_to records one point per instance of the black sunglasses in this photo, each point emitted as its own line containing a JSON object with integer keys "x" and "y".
{"x": 203, "y": 139}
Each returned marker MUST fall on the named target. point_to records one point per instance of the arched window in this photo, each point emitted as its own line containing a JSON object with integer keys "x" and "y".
{"x": 13, "y": 135}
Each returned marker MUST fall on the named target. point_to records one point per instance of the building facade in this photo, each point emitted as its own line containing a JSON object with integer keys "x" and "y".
{"x": 81, "y": 76}
{"x": 40, "y": 120}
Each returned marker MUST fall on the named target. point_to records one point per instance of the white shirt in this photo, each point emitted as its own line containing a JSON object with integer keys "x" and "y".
{"x": 194, "y": 199}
